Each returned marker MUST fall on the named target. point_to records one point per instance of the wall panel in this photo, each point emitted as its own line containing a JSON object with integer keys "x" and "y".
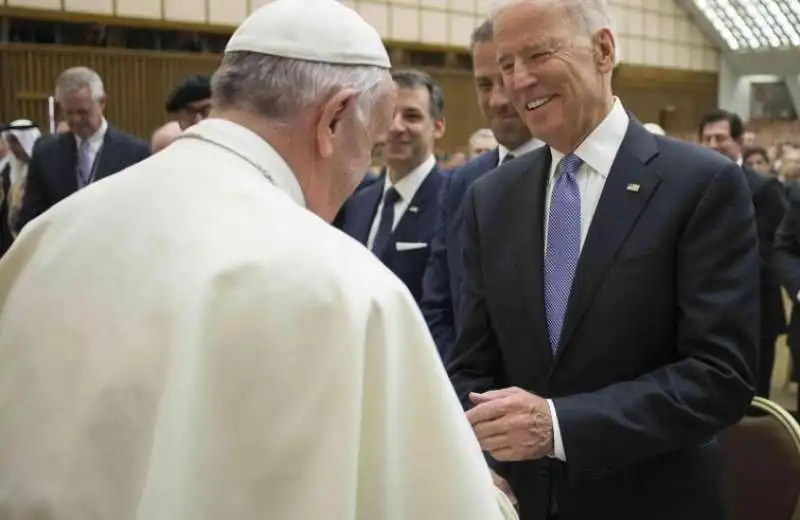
{"x": 137, "y": 83}
{"x": 51, "y": 5}
{"x": 101, "y": 7}
{"x": 654, "y": 33}
{"x": 186, "y": 10}
{"x": 139, "y": 8}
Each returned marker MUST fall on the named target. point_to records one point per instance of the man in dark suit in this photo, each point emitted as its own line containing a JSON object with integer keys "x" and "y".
{"x": 369, "y": 179}
{"x": 442, "y": 282}
{"x": 91, "y": 150}
{"x": 395, "y": 218}
{"x": 787, "y": 267}
{"x": 723, "y": 131}
{"x": 609, "y": 313}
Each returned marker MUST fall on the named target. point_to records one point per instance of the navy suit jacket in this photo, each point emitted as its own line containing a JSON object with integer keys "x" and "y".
{"x": 416, "y": 225}
{"x": 441, "y": 285}
{"x": 368, "y": 180}
{"x": 660, "y": 338}
{"x": 52, "y": 170}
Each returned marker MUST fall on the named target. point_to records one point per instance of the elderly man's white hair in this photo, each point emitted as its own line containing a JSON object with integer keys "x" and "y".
{"x": 278, "y": 88}
{"x": 589, "y": 15}
{"x": 79, "y": 78}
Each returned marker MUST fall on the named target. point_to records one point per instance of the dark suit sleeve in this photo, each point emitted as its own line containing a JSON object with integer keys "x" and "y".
{"x": 143, "y": 151}
{"x": 770, "y": 206}
{"x": 786, "y": 260}
{"x": 35, "y": 200}
{"x": 476, "y": 361}
{"x": 437, "y": 302}
{"x": 711, "y": 383}
{"x": 476, "y": 356}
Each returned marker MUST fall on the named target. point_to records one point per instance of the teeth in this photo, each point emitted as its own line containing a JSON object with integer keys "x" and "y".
{"x": 536, "y": 103}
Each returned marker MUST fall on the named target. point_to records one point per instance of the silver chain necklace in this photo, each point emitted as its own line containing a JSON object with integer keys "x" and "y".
{"x": 194, "y": 135}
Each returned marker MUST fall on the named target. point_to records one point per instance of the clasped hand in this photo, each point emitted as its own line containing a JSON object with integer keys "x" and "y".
{"x": 512, "y": 424}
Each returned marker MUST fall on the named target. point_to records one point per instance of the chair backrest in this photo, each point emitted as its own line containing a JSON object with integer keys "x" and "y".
{"x": 762, "y": 464}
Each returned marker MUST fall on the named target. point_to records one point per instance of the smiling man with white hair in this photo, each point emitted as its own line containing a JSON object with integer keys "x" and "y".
{"x": 191, "y": 339}
{"x": 609, "y": 311}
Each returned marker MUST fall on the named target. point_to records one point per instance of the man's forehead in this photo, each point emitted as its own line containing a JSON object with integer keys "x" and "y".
{"x": 717, "y": 127}
{"x": 410, "y": 97}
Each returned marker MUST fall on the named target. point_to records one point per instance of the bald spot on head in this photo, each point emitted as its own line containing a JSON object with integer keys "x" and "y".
{"x": 164, "y": 136}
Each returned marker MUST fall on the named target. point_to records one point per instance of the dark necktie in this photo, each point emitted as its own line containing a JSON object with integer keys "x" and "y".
{"x": 386, "y": 223}
{"x": 507, "y": 158}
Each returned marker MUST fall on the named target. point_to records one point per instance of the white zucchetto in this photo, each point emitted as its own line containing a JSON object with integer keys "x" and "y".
{"x": 314, "y": 30}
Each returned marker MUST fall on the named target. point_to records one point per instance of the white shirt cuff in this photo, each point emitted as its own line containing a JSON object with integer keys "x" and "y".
{"x": 558, "y": 445}
{"x": 798, "y": 296}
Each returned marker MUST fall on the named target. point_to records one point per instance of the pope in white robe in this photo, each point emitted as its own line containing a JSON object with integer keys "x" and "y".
{"x": 187, "y": 340}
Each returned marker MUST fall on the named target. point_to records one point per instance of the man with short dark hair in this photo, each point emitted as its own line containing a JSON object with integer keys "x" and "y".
{"x": 396, "y": 218}
{"x": 442, "y": 282}
{"x": 723, "y": 131}
{"x": 190, "y": 102}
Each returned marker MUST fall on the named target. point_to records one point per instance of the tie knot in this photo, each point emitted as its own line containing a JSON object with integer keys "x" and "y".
{"x": 391, "y": 196}
{"x": 507, "y": 158}
{"x": 570, "y": 165}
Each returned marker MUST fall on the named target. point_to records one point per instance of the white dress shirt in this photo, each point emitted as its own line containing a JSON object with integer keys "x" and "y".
{"x": 95, "y": 141}
{"x": 406, "y": 187}
{"x": 530, "y": 146}
{"x": 597, "y": 152}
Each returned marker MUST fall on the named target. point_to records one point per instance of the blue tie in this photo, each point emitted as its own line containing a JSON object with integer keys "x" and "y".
{"x": 386, "y": 224}
{"x": 563, "y": 246}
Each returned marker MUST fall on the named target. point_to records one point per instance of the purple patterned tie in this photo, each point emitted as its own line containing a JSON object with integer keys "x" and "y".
{"x": 84, "y": 164}
{"x": 563, "y": 246}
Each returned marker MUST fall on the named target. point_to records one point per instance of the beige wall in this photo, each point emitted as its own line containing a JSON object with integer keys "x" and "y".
{"x": 650, "y": 32}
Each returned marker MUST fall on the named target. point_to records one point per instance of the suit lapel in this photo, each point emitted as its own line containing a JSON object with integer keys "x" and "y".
{"x": 527, "y": 229}
{"x": 368, "y": 200}
{"x": 627, "y": 191}
{"x": 406, "y": 229}
{"x": 69, "y": 168}
{"x": 105, "y": 157}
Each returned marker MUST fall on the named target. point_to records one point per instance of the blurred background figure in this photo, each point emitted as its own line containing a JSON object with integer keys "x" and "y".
{"x": 190, "y": 102}
{"x": 19, "y": 136}
{"x": 91, "y": 149}
{"x": 789, "y": 169}
{"x": 164, "y": 135}
{"x": 757, "y": 159}
{"x": 481, "y": 141}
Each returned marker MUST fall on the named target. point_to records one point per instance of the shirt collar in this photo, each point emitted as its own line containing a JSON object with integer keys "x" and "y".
{"x": 408, "y": 185}
{"x": 530, "y": 146}
{"x": 255, "y": 150}
{"x": 600, "y": 147}
{"x": 97, "y": 137}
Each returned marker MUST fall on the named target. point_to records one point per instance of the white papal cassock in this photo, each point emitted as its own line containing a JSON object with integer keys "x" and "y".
{"x": 184, "y": 341}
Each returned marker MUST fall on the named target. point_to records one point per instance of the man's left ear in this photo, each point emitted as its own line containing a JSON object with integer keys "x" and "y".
{"x": 438, "y": 128}
{"x": 329, "y": 123}
{"x": 605, "y": 49}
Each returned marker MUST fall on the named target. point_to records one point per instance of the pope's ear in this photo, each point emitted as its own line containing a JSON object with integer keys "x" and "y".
{"x": 330, "y": 121}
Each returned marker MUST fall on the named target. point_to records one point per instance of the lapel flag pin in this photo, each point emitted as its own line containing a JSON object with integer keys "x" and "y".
{"x": 413, "y": 209}
{"x": 633, "y": 187}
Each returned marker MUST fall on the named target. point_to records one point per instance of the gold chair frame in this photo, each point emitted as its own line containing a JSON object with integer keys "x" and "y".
{"x": 789, "y": 423}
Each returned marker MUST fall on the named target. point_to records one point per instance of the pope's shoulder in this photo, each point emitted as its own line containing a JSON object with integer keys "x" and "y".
{"x": 335, "y": 265}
